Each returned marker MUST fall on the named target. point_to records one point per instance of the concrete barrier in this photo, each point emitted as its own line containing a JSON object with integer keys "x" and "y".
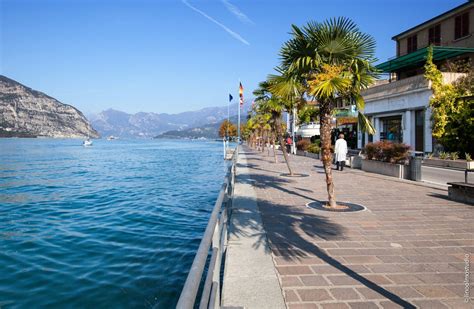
{"x": 461, "y": 192}
{"x": 385, "y": 168}
{"x": 445, "y": 163}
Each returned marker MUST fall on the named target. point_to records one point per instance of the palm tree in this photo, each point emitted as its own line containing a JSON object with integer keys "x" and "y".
{"x": 271, "y": 104}
{"x": 274, "y": 107}
{"x": 335, "y": 59}
{"x": 290, "y": 88}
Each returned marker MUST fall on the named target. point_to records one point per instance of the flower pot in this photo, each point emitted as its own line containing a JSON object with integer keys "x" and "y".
{"x": 470, "y": 165}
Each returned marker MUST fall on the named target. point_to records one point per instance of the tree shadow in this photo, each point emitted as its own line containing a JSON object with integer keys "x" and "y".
{"x": 291, "y": 232}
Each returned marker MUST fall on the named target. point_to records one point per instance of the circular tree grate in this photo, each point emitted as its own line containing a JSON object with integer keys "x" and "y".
{"x": 349, "y": 207}
{"x": 295, "y": 175}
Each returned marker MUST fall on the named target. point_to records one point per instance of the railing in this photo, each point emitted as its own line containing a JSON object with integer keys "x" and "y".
{"x": 215, "y": 235}
{"x": 402, "y": 86}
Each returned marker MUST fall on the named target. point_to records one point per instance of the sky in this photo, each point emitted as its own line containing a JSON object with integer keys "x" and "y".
{"x": 172, "y": 55}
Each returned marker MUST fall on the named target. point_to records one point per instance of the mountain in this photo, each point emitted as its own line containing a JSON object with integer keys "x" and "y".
{"x": 25, "y": 112}
{"x": 209, "y": 131}
{"x": 117, "y": 123}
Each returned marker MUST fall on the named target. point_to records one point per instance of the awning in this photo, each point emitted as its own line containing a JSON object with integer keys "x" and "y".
{"x": 418, "y": 57}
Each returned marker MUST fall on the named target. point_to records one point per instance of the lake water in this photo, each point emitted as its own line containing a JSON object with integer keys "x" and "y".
{"x": 115, "y": 225}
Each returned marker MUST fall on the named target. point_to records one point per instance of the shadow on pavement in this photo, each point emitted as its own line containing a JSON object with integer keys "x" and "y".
{"x": 291, "y": 232}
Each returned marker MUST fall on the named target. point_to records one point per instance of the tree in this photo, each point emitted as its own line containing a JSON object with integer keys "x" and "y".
{"x": 308, "y": 114}
{"x": 227, "y": 129}
{"x": 335, "y": 59}
{"x": 273, "y": 106}
{"x": 452, "y": 108}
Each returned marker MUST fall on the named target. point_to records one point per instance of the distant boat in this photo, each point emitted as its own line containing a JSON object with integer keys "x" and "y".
{"x": 87, "y": 143}
{"x": 111, "y": 137}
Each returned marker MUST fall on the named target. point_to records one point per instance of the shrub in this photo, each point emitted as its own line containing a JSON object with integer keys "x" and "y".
{"x": 302, "y": 145}
{"x": 370, "y": 149}
{"x": 387, "y": 152}
{"x": 454, "y": 155}
{"x": 443, "y": 155}
{"x": 314, "y": 148}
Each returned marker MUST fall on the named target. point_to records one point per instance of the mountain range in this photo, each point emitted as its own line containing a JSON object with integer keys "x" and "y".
{"x": 204, "y": 122}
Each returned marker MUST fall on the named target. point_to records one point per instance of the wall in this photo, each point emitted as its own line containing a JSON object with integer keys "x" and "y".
{"x": 447, "y": 33}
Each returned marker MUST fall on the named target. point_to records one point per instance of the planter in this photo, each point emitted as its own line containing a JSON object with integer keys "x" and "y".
{"x": 384, "y": 168}
{"x": 461, "y": 164}
{"x": 312, "y": 155}
{"x": 354, "y": 161}
{"x": 307, "y": 154}
{"x": 470, "y": 165}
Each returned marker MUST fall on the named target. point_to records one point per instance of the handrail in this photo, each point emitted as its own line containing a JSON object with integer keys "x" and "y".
{"x": 215, "y": 235}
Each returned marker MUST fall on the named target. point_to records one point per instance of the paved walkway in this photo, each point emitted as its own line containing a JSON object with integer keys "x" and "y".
{"x": 408, "y": 249}
{"x": 250, "y": 278}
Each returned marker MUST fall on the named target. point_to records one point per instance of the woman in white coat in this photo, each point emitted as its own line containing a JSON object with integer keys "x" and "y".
{"x": 340, "y": 151}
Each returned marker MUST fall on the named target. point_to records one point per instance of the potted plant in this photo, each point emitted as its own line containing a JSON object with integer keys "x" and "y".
{"x": 469, "y": 162}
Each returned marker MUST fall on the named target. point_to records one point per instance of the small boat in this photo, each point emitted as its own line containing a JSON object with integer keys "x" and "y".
{"x": 87, "y": 143}
{"x": 111, "y": 137}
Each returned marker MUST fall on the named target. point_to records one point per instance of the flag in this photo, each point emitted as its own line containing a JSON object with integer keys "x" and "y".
{"x": 230, "y": 97}
{"x": 241, "y": 94}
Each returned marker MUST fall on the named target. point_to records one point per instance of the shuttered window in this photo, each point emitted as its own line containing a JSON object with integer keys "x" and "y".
{"x": 461, "y": 26}
{"x": 412, "y": 44}
{"x": 434, "y": 35}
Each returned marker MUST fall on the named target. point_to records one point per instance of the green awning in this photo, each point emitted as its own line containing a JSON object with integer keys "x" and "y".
{"x": 419, "y": 57}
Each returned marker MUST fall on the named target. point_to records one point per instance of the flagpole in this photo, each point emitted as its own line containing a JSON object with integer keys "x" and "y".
{"x": 238, "y": 123}
{"x": 228, "y": 121}
{"x": 238, "y": 114}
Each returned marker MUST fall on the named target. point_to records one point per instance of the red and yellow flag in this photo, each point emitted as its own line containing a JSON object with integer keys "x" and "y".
{"x": 241, "y": 94}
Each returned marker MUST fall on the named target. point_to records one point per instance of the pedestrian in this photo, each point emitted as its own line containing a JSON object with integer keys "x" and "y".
{"x": 289, "y": 142}
{"x": 340, "y": 151}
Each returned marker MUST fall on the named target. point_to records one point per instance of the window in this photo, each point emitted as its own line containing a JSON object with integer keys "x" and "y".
{"x": 461, "y": 26}
{"x": 434, "y": 35}
{"x": 391, "y": 129}
{"x": 411, "y": 44}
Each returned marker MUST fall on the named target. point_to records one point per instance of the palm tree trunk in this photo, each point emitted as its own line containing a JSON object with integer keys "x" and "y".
{"x": 274, "y": 151}
{"x": 325, "y": 121}
{"x": 262, "y": 139}
{"x": 268, "y": 144}
{"x": 282, "y": 144}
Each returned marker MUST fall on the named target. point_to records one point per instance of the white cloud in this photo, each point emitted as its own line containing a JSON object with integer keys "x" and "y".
{"x": 235, "y": 35}
{"x": 237, "y": 12}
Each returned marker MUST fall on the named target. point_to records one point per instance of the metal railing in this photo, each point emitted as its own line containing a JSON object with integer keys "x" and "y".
{"x": 215, "y": 238}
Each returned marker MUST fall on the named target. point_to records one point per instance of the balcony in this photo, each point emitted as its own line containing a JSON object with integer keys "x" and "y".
{"x": 404, "y": 86}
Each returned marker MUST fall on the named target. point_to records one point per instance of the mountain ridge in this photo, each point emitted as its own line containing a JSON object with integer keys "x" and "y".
{"x": 151, "y": 124}
{"x": 26, "y": 112}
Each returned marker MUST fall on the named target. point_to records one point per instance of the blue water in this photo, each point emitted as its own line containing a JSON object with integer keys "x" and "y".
{"x": 115, "y": 225}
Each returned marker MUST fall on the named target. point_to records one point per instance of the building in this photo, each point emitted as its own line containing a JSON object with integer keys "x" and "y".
{"x": 399, "y": 107}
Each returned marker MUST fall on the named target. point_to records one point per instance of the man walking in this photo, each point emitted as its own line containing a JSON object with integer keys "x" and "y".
{"x": 340, "y": 151}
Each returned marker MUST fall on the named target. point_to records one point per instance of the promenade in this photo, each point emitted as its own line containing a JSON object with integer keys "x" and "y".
{"x": 407, "y": 250}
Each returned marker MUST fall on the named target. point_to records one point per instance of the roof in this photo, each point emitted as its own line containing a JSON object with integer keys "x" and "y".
{"x": 459, "y": 7}
{"x": 418, "y": 57}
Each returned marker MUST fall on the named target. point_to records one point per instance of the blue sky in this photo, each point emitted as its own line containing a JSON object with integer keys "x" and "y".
{"x": 172, "y": 55}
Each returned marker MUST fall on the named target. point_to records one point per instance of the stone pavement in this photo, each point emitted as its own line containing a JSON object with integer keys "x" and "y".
{"x": 408, "y": 249}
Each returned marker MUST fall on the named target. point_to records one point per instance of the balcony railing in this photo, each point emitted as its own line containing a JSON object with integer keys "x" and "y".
{"x": 406, "y": 85}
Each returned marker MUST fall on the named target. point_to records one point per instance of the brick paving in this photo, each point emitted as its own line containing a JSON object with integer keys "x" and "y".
{"x": 406, "y": 250}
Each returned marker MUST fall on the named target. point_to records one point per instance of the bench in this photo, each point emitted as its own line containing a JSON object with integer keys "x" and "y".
{"x": 461, "y": 192}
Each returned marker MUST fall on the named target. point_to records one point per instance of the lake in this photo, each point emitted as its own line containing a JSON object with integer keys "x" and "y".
{"x": 114, "y": 225}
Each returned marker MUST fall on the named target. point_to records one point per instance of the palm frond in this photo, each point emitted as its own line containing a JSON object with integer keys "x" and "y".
{"x": 365, "y": 125}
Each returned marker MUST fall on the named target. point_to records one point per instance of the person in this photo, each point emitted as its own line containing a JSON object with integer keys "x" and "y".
{"x": 340, "y": 151}
{"x": 289, "y": 142}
